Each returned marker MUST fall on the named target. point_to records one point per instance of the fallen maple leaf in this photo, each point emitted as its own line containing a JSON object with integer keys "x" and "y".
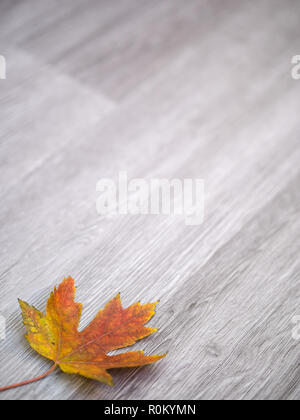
{"x": 56, "y": 336}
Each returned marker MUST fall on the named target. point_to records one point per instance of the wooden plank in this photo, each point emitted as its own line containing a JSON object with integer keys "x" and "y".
{"x": 208, "y": 94}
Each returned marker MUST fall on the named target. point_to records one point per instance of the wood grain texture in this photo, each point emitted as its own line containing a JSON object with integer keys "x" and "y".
{"x": 160, "y": 89}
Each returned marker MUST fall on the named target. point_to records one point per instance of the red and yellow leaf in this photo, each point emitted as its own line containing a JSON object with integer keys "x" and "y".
{"x": 56, "y": 335}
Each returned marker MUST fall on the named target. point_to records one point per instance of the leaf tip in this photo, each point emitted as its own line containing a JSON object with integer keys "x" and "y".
{"x": 22, "y": 304}
{"x": 161, "y": 356}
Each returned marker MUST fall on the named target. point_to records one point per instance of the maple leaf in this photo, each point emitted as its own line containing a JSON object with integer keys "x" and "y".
{"x": 56, "y": 335}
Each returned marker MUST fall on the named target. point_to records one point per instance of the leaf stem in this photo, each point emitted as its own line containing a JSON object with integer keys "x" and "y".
{"x": 30, "y": 381}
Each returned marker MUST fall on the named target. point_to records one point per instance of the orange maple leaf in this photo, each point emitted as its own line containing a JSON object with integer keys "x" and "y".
{"x": 56, "y": 336}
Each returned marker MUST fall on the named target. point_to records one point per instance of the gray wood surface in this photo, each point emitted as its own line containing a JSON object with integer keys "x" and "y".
{"x": 160, "y": 88}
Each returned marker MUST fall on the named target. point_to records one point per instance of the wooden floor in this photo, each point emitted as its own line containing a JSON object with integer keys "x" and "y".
{"x": 160, "y": 88}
